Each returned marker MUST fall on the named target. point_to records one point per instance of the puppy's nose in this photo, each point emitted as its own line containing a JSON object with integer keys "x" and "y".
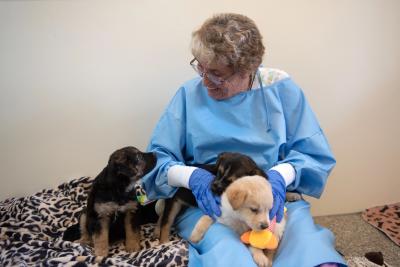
{"x": 264, "y": 225}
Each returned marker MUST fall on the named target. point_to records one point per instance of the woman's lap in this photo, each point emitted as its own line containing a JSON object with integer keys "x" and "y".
{"x": 303, "y": 243}
{"x": 219, "y": 247}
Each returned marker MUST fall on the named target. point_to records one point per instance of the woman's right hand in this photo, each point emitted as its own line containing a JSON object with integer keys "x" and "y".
{"x": 200, "y": 184}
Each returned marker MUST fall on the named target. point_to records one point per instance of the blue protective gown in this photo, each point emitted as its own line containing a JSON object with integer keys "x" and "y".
{"x": 272, "y": 124}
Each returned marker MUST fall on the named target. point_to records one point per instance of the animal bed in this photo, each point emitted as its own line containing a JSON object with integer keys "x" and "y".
{"x": 31, "y": 230}
{"x": 385, "y": 218}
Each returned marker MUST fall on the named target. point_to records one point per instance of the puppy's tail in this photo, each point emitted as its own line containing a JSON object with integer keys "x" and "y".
{"x": 72, "y": 233}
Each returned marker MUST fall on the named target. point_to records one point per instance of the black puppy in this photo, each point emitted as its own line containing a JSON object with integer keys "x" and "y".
{"x": 228, "y": 168}
{"x": 112, "y": 203}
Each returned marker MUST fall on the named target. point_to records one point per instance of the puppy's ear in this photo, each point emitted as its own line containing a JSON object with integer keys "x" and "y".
{"x": 218, "y": 187}
{"x": 236, "y": 196}
{"x": 223, "y": 173}
{"x": 220, "y": 159}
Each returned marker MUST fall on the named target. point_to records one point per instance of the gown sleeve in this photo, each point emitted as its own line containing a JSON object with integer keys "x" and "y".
{"x": 306, "y": 148}
{"x": 167, "y": 142}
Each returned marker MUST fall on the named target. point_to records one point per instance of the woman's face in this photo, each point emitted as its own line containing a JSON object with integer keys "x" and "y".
{"x": 222, "y": 82}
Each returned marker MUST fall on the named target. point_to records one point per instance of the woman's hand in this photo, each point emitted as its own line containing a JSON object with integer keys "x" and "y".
{"x": 279, "y": 193}
{"x": 199, "y": 183}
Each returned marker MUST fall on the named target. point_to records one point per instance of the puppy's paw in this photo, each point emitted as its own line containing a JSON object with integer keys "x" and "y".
{"x": 201, "y": 228}
{"x": 132, "y": 245}
{"x": 293, "y": 196}
{"x": 163, "y": 239}
{"x": 260, "y": 258}
{"x": 101, "y": 251}
{"x": 84, "y": 241}
{"x": 196, "y": 236}
{"x": 157, "y": 232}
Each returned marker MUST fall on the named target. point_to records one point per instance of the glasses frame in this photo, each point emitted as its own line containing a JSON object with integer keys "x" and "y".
{"x": 213, "y": 78}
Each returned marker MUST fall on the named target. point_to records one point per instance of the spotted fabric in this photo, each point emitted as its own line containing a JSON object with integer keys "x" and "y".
{"x": 385, "y": 218}
{"x": 31, "y": 231}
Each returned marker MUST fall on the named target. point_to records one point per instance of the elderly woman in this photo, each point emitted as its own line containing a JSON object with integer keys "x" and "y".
{"x": 237, "y": 105}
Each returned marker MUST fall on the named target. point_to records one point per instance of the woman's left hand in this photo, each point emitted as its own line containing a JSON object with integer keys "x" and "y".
{"x": 279, "y": 194}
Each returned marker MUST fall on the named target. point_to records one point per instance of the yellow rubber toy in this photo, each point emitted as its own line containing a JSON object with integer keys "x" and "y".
{"x": 264, "y": 239}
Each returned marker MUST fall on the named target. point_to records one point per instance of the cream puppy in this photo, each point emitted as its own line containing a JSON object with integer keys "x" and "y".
{"x": 245, "y": 206}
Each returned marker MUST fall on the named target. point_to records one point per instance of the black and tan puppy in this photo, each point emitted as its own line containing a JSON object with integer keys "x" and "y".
{"x": 228, "y": 168}
{"x": 112, "y": 201}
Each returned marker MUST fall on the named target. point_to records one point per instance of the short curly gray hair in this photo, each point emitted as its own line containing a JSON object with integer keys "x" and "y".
{"x": 229, "y": 39}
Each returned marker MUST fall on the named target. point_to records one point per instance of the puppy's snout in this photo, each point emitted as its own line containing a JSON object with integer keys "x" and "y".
{"x": 150, "y": 158}
{"x": 264, "y": 225}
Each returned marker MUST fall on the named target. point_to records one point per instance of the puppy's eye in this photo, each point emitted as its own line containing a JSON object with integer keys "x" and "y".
{"x": 254, "y": 210}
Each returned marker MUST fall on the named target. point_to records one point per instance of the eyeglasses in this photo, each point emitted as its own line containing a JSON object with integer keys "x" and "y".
{"x": 217, "y": 80}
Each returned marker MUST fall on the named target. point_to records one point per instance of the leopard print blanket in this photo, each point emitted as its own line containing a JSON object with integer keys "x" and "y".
{"x": 385, "y": 218}
{"x": 31, "y": 231}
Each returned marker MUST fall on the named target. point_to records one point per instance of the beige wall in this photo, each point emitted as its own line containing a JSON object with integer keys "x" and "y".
{"x": 79, "y": 79}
